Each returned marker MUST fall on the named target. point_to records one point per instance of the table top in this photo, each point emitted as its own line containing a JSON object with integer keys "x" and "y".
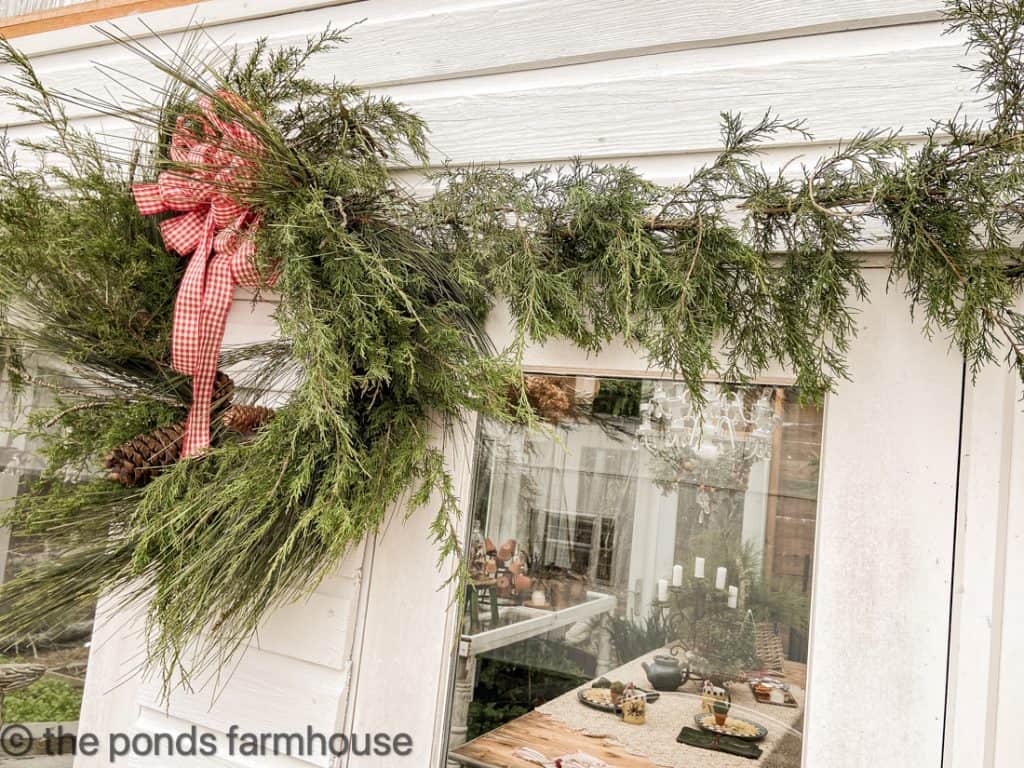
{"x": 562, "y": 726}
{"x": 546, "y": 735}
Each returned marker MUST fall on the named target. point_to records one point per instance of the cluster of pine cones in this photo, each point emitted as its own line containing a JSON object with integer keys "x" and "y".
{"x": 145, "y": 456}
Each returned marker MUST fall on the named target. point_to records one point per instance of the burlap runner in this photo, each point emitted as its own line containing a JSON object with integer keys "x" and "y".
{"x": 656, "y": 739}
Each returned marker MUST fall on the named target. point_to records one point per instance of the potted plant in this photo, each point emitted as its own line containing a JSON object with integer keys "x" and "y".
{"x": 721, "y": 711}
{"x": 565, "y": 587}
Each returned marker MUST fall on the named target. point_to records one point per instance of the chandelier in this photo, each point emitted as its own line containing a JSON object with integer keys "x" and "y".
{"x": 711, "y": 444}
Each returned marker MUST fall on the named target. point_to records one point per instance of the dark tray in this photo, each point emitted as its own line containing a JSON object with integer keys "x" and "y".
{"x": 704, "y": 740}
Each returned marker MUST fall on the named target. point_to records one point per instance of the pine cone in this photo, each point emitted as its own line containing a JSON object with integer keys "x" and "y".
{"x": 246, "y": 418}
{"x": 223, "y": 392}
{"x": 145, "y": 456}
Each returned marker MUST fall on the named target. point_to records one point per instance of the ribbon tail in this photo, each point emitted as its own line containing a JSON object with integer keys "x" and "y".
{"x": 214, "y": 317}
{"x": 188, "y": 306}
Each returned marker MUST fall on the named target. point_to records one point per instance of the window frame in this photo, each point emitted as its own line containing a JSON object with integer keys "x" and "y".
{"x": 604, "y": 367}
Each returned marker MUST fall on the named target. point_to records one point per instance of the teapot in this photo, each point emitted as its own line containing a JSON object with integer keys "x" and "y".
{"x": 664, "y": 674}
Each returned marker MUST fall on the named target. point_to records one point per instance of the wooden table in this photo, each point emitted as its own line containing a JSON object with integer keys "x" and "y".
{"x": 555, "y": 735}
{"x": 545, "y": 734}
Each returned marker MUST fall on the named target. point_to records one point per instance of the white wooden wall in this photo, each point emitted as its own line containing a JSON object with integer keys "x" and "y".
{"x": 527, "y": 81}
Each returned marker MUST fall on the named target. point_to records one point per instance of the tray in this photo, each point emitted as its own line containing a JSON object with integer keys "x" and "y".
{"x": 706, "y": 721}
{"x": 600, "y": 698}
{"x": 764, "y": 698}
{"x": 704, "y": 740}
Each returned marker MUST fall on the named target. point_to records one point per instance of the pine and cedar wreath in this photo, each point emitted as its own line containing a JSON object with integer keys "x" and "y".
{"x": 253, "y": 174}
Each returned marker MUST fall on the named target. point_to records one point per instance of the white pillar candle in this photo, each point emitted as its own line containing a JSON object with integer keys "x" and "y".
{"x": 539, "y": 597}
{"x": 677, "y": 576}
{"x": 720, "y": 576}
{"x": 662, "y": 591}
{"x": 734, "y": 596}
{"x": 698, "y": 568}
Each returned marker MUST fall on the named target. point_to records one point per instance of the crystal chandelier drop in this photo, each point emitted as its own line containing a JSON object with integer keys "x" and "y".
{"x": 723, "y": 426}
{"x": 704, "y": 445}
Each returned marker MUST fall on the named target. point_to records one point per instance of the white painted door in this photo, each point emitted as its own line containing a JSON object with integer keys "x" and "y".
{"x": 884, "y": 553}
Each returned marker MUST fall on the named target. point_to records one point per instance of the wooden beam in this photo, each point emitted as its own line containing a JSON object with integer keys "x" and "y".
{"x": 5, "y": 543}
{"x": 774, "y": 478}
{"x": 80, "y": 14}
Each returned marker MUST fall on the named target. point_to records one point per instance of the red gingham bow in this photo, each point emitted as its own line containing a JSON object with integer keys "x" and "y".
{"x": 219, "y": 157}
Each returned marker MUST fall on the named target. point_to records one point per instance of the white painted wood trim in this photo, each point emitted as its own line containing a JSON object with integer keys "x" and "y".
{"x": 986, "y": 673}
{"x": 884, "y": 551}
{"x": 541, "y": 621}
{"x": 1010, "y": 593}
{"x": 109, "y": 702}
{"x": 408, "y": 627}
{"x": 5, "y": 543}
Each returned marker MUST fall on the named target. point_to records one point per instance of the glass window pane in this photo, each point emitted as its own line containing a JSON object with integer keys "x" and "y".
{"x": 638, "y": 546}
{"x": 61, "y": 648}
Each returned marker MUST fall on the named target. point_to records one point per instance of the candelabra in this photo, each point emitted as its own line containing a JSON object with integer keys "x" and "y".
{"x": 706, "y": 631}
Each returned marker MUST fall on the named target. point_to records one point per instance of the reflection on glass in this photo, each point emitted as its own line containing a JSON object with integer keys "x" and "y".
{"x": 643, "y": 542}
{"x": 61, "y": 650}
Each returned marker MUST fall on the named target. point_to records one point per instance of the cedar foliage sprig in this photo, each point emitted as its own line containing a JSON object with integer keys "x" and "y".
{"x": 383, "y": 299}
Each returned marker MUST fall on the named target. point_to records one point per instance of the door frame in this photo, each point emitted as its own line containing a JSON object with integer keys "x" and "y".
{"x": 986, "y": 672}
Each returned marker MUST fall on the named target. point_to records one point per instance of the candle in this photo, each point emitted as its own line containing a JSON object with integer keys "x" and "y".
{"x": 720, "y": 576}
{"x": 539, "y": 597}
{"x": 677, "y": 576}
{"x": 734, "y": 596}
{"x": 662, "y": 591}
{"x": 698, "y": 568}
